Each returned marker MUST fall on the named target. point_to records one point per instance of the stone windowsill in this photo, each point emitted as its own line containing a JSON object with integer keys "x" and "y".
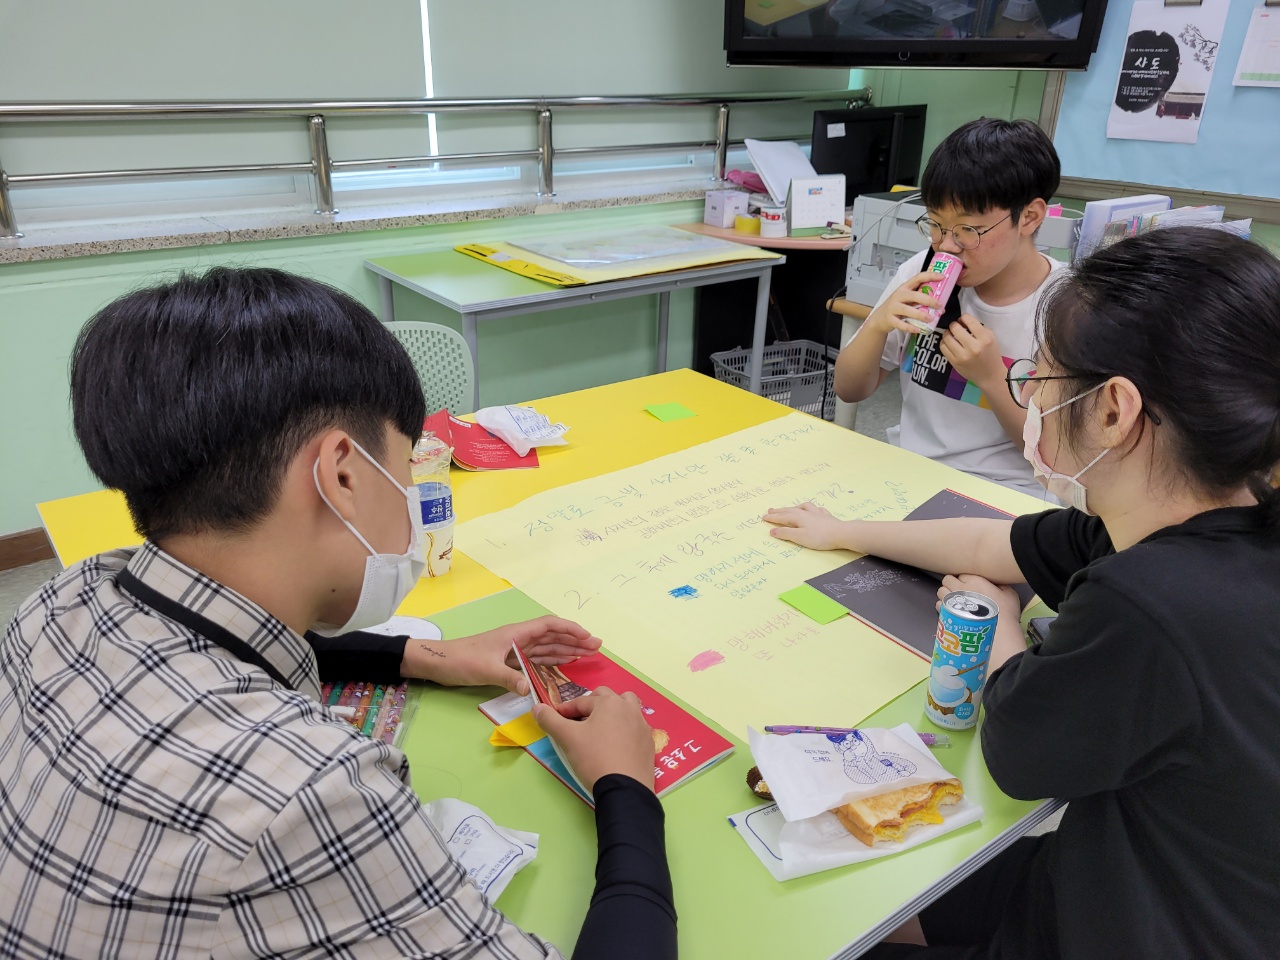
{"x": 60, "y": 242}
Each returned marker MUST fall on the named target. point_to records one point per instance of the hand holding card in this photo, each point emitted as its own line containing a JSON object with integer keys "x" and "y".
{"x": 602, "y": 719}
{"x": 597, "y": 733}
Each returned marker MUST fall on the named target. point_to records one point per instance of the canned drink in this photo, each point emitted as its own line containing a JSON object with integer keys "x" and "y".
{"x": 961, "y": 652}
{"x": 946, "y": 271}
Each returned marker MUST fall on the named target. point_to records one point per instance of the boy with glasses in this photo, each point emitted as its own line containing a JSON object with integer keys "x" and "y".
{"x": 985, "y": 191}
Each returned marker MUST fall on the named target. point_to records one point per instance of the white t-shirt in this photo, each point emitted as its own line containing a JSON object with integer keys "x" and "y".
{"x": 944, "y": 416}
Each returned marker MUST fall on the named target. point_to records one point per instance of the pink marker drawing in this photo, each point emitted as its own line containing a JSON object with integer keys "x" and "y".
{"x": 708, "y": 658}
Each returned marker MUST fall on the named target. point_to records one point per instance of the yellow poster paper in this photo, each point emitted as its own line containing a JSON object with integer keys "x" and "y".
{"x": 670, "y": 564}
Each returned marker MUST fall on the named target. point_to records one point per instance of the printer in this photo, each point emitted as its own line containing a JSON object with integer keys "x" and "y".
{"x": 885, "y": 237}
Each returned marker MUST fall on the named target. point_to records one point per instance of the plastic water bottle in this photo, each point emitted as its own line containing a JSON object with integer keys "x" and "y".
{"x": 429, "y": 466}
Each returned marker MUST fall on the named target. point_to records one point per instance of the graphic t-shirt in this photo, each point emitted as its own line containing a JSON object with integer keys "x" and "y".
{"x": 944, "y": 416}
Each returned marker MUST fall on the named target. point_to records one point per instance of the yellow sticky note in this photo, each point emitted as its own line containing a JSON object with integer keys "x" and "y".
{"x": 520, "y": 732}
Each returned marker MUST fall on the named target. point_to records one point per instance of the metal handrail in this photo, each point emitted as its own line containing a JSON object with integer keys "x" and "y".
{"x": 197, "y": 109}
{"x": 321, "y": 166}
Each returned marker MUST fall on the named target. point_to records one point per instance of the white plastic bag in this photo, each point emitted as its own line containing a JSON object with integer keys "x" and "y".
{"x": 491, "y": 854}
{"x": 811, "y": 773}
{"x": 522, "y": 428}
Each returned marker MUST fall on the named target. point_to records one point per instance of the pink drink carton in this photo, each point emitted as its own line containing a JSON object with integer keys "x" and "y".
{"x": 945, "y": 270}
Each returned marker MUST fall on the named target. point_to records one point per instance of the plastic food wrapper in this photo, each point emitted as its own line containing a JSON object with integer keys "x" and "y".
{"x": 797, "y": 848}
{"x": 811, "y": 773}
{"x": 522, "y": 428}
{"x": 490, "y": 854}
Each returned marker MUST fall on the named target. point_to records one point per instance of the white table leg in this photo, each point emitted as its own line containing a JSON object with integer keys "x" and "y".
{"x": 386, "y": 300}
{"x": 469, "y": 334}
{"x": 757, "y": 337}
{"x": 847, "y": 413}
{"x": 664, "y": 314}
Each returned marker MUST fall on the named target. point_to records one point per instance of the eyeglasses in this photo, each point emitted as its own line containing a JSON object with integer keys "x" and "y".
{"x": 1022, "y": 373}
{"x": 965, "y": 236}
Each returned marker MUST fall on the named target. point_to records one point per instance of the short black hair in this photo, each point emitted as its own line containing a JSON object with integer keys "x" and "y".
{"x": 192, "y": 397}
{"x": 992, "y": 164}
{"x": 1191, "y": 315}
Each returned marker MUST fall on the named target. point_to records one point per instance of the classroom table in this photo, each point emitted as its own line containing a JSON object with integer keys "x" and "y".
{"x": 727, "y": 903}
{"x": 480, "y": 291}
{"x": 768, "y": 243}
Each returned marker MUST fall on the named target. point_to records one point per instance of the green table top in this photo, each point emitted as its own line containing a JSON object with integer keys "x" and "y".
{"x": 727, "y": 902}
{"x": 468, "y": 285}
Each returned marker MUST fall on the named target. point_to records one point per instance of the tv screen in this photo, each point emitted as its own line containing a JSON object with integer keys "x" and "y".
{"x": 1050, "y": 34}
{"x": 874, "y": 147}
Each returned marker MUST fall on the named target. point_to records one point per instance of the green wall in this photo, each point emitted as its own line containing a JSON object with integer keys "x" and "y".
{"x": 955, "y": 97}
{"x": 230, "y": 50}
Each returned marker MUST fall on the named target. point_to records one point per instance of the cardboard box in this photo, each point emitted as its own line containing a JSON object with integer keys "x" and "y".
{"x": 722, "y": 206}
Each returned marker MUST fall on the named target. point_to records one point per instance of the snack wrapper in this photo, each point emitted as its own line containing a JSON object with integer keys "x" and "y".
{"x": 811, "y": 773}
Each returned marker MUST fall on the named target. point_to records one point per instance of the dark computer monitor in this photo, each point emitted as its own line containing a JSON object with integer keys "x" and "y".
{"x": 874, "y": 147}
{"x": 909, "y": 33}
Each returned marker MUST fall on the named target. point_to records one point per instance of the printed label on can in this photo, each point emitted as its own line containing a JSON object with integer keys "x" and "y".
{"x": 961, "y": 653}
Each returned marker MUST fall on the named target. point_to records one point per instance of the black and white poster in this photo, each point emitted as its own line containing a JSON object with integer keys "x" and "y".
{"x": 1168, "y": 62}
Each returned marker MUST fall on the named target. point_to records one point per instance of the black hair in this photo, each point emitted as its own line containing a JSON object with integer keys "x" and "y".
{"x": 991, "y": 164}
{"x": 1192, "y": 317}
{"x": 192, "y": 397}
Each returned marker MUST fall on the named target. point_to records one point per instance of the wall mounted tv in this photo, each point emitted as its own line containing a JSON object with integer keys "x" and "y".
{"x": 1022, "y": 34}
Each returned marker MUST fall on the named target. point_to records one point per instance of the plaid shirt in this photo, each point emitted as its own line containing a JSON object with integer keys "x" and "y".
{"x": 162, "y": 796}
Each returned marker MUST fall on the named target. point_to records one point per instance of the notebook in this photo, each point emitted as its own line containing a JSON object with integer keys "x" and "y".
{"x": 898, "y": 600}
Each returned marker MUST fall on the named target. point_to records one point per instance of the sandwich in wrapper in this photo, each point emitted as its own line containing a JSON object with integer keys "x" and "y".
{"x": 848, "y": 796}
{"x": 888, "y": 816}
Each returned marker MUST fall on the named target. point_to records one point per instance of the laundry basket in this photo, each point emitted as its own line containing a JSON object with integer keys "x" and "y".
{"x": 796, "y": 373}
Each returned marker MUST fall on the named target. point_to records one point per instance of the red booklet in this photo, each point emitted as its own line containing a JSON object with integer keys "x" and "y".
{"x": 474, "y": 447}
{"x": 683, "y": 746}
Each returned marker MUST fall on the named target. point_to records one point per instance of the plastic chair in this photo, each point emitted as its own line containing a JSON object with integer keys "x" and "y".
{"x": 443, "y": 361}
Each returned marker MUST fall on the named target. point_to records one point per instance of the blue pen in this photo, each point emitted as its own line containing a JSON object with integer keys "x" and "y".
{"x": 929, "y": 739}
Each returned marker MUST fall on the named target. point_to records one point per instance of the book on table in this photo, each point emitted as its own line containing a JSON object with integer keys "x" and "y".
{"x": 474, "y": 447}
{"x": 683, "y": 746}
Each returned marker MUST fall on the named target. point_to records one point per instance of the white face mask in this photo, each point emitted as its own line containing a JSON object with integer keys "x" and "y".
{"x": 388, "y": 577}
{"x": 1067, "y": 489}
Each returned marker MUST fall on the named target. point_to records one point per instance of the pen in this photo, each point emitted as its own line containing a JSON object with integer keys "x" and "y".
{"x": 929, "y": 739}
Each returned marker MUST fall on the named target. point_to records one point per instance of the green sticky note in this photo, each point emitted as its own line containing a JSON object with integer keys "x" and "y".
{"x": 670, "y": 411}
{"x": 813, "y": 603}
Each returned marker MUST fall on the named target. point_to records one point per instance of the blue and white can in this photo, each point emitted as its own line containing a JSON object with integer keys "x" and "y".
{"x": 961, "y": 653}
